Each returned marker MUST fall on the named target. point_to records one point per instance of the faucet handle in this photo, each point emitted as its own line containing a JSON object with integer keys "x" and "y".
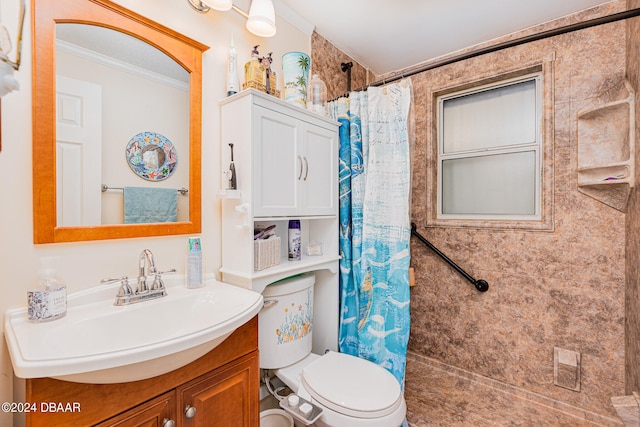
{"x": 110, "y": 280}
{"x": 125, "y": 289}
{"x": 158, "y": 284}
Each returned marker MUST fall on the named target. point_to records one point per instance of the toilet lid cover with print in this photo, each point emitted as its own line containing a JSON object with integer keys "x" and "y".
{"x": 352, "y": 386}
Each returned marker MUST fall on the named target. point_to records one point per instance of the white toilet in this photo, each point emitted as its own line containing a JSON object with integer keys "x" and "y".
{"x": 351, "y": 391}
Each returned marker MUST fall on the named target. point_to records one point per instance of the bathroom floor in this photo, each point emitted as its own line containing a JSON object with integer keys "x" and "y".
{"x": 440, "y": 396}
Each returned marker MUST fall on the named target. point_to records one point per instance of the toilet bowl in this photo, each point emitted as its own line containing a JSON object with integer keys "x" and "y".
{"x": 349, "y": 390}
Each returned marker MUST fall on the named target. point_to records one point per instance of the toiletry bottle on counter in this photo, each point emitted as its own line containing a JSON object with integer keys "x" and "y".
{"x": 294, "y": 240}
{"x": 49, "y": 300}
{"x": 193, "y": 274}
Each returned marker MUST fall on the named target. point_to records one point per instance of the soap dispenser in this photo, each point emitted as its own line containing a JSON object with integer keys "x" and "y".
{"x": 254, "y": 71}
{"x": 49, "y": 300}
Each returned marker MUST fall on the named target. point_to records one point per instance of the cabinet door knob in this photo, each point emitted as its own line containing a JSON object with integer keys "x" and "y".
{"x": 300, "y": 174}
{"x": 168, "y": 423}
{"x": 189, "y": 411}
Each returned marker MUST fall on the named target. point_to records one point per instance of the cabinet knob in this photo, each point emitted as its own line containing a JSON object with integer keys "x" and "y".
{"x": 189, "y": 411}
{"x": 168, "y": 423}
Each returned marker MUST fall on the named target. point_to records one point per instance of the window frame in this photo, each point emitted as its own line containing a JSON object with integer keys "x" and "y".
{"x": 536, "y": 146}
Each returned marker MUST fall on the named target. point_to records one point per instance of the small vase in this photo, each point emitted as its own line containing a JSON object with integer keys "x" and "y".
{"x": 295, "y": 72}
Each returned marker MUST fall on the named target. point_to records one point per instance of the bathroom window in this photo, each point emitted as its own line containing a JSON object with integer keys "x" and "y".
{"x": 490, "y": 151}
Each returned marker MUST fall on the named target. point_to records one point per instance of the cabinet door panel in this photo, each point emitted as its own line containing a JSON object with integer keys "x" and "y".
{"x": 226, "y": 398}
{"x": 151, "y": 414}
{"x": 277, "y": 164}
{"x": 320, "y": 183}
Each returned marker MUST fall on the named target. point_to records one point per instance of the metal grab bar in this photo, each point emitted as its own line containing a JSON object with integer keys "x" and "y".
{"x": 481, "y": 285}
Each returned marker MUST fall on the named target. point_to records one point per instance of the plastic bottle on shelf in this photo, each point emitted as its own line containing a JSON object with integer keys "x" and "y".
{"x": 294, "y": 240}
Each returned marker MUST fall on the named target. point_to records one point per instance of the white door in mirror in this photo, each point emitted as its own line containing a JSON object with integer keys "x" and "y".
{"x": 79, "y": 151}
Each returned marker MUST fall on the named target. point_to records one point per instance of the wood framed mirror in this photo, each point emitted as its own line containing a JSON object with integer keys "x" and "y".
{"x": 50, "y": 20}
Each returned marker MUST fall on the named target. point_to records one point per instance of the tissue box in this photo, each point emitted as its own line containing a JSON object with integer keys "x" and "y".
{"x": 266, "y": 253}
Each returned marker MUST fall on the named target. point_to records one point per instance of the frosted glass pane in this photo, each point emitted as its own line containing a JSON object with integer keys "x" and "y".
{"x": 493, "y": 118}
{"x": 503, "y": 184}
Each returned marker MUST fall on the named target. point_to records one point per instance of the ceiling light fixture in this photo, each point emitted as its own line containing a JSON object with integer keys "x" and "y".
{"x": 261, "y": 19}
{"x": 221, "y": 5}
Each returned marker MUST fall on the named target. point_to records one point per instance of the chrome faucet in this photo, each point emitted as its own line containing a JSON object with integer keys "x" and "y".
{"x": 146, "y": 258}
{"x": 146, "y": 269}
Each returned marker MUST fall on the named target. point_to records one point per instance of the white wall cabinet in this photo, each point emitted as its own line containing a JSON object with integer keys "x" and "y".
{"x": 286, "y": 161}
{"x": 294, "y": 162}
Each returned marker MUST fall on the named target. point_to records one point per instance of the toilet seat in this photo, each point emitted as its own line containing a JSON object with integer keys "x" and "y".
{"x": 352, "y": 386}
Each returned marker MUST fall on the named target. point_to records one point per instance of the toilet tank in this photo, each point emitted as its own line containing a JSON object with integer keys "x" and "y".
{"x": 285, "y": 322}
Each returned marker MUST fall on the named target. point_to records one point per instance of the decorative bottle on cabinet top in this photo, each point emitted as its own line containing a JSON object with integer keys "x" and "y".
{"x": 317, "y": 95}
{"x": 254, "y": 71}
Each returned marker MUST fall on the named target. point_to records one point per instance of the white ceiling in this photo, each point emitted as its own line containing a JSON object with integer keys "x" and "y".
{"x": 386, "y": 36}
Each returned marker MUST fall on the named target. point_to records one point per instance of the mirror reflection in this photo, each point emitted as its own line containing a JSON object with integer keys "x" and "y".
{"x": 114, "y": 90}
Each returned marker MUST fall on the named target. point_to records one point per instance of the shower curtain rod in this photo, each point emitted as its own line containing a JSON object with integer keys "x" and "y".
{"x": 631, "y": 13}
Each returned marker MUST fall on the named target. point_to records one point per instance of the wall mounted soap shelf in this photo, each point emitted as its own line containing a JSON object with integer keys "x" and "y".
{"x": 606, "y": 148}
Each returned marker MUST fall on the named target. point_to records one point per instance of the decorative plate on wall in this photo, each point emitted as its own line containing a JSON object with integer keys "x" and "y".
{"x": 151, "y": 156}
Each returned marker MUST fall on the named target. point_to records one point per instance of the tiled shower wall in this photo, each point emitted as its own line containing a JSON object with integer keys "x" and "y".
{"x": 563, "y": 287}
{"x": 633, "y": 221}
{"x": 326, "y": 61}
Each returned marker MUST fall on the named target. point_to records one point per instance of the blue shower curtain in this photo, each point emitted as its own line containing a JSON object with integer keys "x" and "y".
{"x": 375, "y": 225}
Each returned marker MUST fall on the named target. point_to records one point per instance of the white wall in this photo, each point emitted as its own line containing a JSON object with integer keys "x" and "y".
{"x": 82, "y": 265}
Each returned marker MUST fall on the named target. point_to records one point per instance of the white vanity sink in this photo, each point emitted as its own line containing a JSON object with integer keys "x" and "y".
{"x": 97, "y": 342}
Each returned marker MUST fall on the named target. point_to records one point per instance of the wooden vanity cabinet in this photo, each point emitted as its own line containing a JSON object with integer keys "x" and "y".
{"x": 158, "y": 412}
{"x": 220, "y": 389}
{"x": 220, "y": 399}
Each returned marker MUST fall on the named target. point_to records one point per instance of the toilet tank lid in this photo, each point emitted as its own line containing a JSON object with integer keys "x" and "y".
{"x": 290, "y": 285}
{"x": 352, "y": 386}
